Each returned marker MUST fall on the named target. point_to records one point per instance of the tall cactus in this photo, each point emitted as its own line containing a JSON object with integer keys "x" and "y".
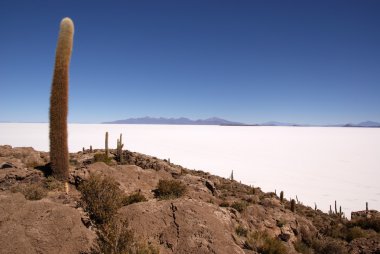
{"x": 293, "y": 205}
{"x": 119, "y": 149}
{"x": 106, "y": 145}
{"x": 59, "y": 154}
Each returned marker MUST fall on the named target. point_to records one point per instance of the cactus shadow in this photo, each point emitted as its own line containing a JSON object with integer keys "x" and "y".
{"x": 45, "y": 169}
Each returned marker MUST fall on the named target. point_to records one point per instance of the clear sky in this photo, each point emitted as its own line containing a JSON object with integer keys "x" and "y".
{"x": 314, "y": 62}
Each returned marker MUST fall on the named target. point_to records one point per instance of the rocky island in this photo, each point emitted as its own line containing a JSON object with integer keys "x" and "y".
{"x": 163, "y": 208}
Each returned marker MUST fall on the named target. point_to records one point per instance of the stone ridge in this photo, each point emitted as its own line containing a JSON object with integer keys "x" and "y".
{"x": 216, "y": 215}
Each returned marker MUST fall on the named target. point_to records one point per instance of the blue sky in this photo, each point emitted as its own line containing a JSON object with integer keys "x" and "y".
{"x": 314, "y": 62}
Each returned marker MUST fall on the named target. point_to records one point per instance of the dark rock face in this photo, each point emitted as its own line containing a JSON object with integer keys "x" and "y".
{"x": 284, "y": 237}
{"x": 211, "y": 187}
{"x": 5, "y": 165}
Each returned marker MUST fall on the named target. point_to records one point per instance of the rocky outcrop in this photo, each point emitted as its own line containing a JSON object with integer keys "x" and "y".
{"x": 184, "y": 226}
{"x": 22, "y": 156}
{"x": 215, "y": 215}
{"x": 41, "y": 227}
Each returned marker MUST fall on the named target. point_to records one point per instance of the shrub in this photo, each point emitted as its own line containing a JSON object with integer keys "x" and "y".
{"x": 101, "y": 157}
{"x": 115, "y": 238}
{"x": 101, "y": 198}
{"x": 224, "y": 204}
{"x": 265, "y": 244}
{"x": 31, "y": 192}
{"x": 302, "y": 247}
{"x": 239, "y": 206}
{"x": 355, "y": 232}
{"x": 51, "y": 183}
{"x": 328, "y": 246}
{"x": 241, "y": 231}
{"x": 134, "y": 198}
{"x": 168, "y": 189}
{"x": 337, "y": 231}
{"x": 280, "y": 223}
{"x": 367, "y": 223}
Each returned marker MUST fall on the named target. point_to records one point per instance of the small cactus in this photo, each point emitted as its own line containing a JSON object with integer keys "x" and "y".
{"x": 366, "y": 207}
{"x": 232, "y": 175}
{"x": 293, "y": 205}
{"x": 336, "y": 209}
{"x": 90, "y": 149}
{"x": 281, "y": 196}
{"x": 119, "y": 149}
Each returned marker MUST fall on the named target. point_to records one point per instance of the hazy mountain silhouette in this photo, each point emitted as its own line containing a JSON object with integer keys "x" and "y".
{"x": 179, "y": 121}
{"x": 220, "y": 121}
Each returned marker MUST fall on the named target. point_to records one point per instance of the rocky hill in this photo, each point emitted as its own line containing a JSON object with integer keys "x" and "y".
{"x": 211, "y": 214}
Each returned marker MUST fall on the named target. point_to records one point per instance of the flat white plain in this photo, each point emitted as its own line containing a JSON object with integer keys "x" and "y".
{"x": 318, "y": 164}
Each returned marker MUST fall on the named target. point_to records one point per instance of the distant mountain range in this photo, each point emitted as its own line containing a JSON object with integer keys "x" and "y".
{"x": 363, "y": 124}
{"x": 220, "y": 121}
{"x": 177, "y": 121}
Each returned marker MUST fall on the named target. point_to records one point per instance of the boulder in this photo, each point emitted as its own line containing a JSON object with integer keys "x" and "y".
{"x": 183, "y": 226}
{"x": 41, "y": 227}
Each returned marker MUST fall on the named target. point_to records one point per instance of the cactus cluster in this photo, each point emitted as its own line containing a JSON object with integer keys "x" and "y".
{"x": 59, "y": 153}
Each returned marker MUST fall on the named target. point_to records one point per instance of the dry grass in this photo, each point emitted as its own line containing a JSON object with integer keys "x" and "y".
{"x": 31, "y": 191}
{"x": 239, "y": 206}
{"x": 116, "y": 238}
{"x": 134, "y": 198}
{"x": 265, "y": 244}
{"x": 168, "y": 189}
{"x": 51, "y": 183}
{"x": 101, "y": 198}
{"x": 101, "y": 157}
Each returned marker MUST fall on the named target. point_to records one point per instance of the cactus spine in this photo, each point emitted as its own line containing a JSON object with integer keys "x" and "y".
{"x": 59, "y": 152}
{"x": 106, "y": 141}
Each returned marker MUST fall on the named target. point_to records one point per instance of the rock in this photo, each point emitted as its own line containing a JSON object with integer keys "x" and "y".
{"x": 210, "y": 186}
{"x": 5, "y": 165}
{"x": 364, "y": 214}
{"x": 284, "y": 237}
{"x": 27, "y": 155}
{"x": 365, "y": 246}
{"x": 86, "y": 221}
{"x": 183, "y": 226}
{"x": 41, "y": 227}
